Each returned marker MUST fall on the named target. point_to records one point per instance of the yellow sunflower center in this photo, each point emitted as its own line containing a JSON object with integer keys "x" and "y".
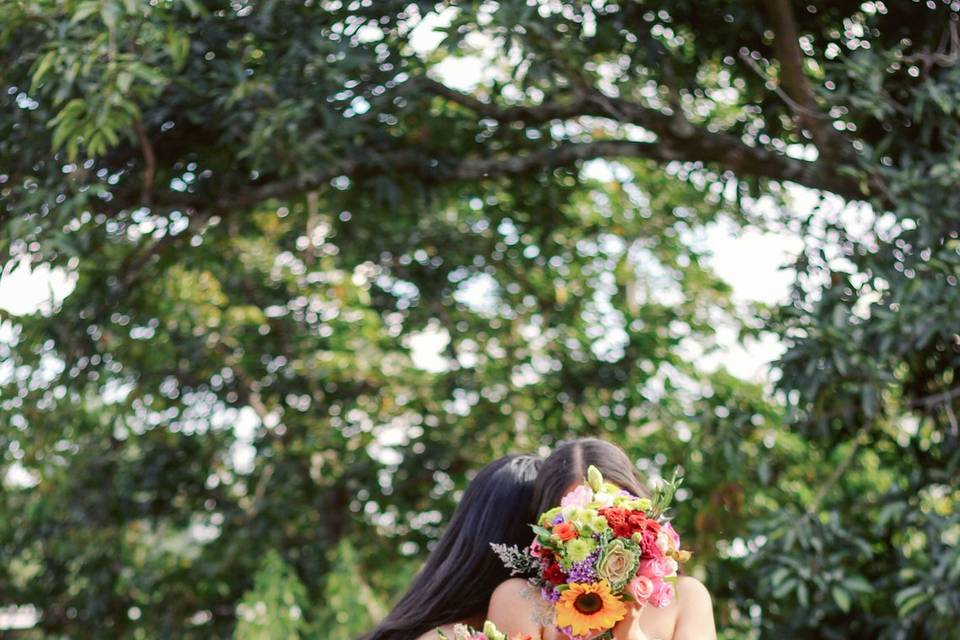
{"x": 588, "y": 603}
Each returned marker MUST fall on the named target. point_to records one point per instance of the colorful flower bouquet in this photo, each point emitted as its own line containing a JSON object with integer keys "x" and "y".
{"x": 490, "y": 632}
{"x": 601, "y": 548}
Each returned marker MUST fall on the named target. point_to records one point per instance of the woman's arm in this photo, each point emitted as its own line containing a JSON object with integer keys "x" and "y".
{"x": 511, "y": 609}
{"x": 695, "y": 618}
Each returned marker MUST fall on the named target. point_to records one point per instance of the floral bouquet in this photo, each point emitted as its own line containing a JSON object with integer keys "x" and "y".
{"x": 490, "y": 632}
{"x": 601, "y": 548}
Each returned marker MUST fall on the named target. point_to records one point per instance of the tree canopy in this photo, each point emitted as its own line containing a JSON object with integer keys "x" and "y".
{"x": 268, "y": 205}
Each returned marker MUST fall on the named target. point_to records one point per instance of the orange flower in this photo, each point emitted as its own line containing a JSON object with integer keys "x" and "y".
{"x": 589, "y": 608}
{"x": 565, "y": 531}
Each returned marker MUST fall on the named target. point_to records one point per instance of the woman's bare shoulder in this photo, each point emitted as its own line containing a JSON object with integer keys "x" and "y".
{"x": 694, "y": 611}
{"x": 510, "y": 599}
{"x": 512, "y": 588}
{"x": 512, "y": 609}
{"x": 692, "y": 590}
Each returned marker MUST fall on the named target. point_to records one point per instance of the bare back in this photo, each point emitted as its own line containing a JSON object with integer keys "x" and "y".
{"x": 689, "y": 616}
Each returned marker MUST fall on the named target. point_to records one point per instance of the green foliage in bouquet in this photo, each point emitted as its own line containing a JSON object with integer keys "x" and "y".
{"x": 664, "y": 494}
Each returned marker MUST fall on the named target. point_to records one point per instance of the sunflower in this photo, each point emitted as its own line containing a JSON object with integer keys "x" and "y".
{"x": 587, "y": 608}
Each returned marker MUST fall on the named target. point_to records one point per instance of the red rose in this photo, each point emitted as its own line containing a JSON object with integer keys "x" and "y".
{"x": 555, "y": 574}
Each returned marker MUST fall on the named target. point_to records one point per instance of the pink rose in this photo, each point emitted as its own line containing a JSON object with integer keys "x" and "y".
{"x": 673, "y": 536}
{"x": 640, "y": 588}
{"x": 662, "y": 595}
{"x": 579, "y": 497}
{"x": 653, "y": 568}
{"x": 672, "y": 566}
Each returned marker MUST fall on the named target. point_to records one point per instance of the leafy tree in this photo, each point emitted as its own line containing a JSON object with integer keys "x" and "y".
{"x": 350, "y": 606}
{"x": 276, "y": 605}
{"x": 266, "y": 205}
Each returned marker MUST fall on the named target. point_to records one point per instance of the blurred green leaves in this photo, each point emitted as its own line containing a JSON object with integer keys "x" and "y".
{"x": 297, "y": 328}
{"x": 113, "y": 57}
{"x": 276, "y": 607}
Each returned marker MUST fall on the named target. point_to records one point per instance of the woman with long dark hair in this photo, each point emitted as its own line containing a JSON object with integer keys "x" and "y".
{"x": 462, "y": 571}
{"x": 567, "y": 466}
{"x": 688, "y": 617}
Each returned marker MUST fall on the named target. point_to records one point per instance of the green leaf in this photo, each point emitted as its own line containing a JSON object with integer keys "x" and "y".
{"x": 540, "y": 531}
{"x": 858, "y": 584}
{"x": 909, "y": 605}
{"x": 84, "y": 10}
{"x": 842, "y": 598}
{"x": 778, "y": 576}
{"x": 148, "y": 74}
{"x": 196, "y": 9}
{"x": 41, "y": 69}
{"x": 786, "y": 586}
{"x": 110, "y": 12}
{"x": 178, "y": 45}
{"x": 124, "y": 80}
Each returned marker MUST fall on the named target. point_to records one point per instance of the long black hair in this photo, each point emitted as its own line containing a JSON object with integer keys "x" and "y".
{"x": 568, "y": 464}
{"x": 462, "y": 571}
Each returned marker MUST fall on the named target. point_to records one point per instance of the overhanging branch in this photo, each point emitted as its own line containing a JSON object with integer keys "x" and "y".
{"x": 677, "y": 137}
{"x": 690, "y": 143}
{"x": 582, "y": 104}
{"x": 724, "y": 151}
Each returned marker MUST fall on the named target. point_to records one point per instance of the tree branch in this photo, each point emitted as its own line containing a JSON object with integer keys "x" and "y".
{"x": 794, "y": 82}
{"x": 593, "y": 104}
{"x": 674, "y": 143}
{"x": 838, "y": 473}
{"x": 681, "y": 138}
{"x": 726, "y": 151}
{"x": 532, "y": 114}
{"x": 135, "y": 263}
{"x": 149, "y": 160}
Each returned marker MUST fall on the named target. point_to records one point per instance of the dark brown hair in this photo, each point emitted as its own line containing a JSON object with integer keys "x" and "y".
{"x": 462, "y": 571}
{"x": 568, "y": 464}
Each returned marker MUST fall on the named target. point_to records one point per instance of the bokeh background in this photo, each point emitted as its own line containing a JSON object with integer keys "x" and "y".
{"x": 279, "y": 277}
